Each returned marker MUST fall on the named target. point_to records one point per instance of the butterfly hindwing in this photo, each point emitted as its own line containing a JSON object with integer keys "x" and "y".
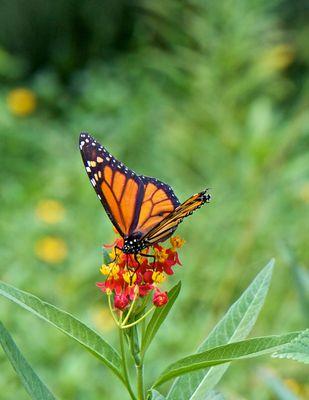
{"x": 158, "y": 201}
{"x": 167, "y": 226}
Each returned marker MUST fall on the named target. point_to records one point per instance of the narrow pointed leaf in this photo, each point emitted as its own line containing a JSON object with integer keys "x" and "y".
{"x": 297, "y": 350}
{"x": 159, "y": 316}
{"x": 30, "y": 380}
{"x": 66, "y": 323}
{"x": 234, "y": 326}
{"x": 277, "y": 387}
{"x": 230, "y": 352}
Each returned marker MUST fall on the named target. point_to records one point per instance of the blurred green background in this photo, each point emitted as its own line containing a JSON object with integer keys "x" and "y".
{"x": 196, "y": 93}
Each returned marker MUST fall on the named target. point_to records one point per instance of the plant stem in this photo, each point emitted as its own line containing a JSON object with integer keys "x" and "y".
{"x": 111, "y": 309}
{"x": 140, "y": 381}
{"x": 130, "y": 310}
{"x": 124, "y": 364}
{"x": 138, "y": 320}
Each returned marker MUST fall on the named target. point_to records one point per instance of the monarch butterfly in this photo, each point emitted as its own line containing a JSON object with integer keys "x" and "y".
{"x": 144, "y": 210}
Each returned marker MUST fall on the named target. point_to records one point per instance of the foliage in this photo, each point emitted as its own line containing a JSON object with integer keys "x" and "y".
{"x": 33, "y": 384}
{"x": 201, "y": 94}
{"x": 292, "y": 345}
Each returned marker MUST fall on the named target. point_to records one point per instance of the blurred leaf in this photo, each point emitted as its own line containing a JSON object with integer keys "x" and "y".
{"x": 155, "y": 395}
{"x": 106, "y": 257}
{"x": 213, "y": 395}
{"x": 66, "y": 323}
{"x": 297, "y": 350}
{"x": 158, "y": 317}
{"x": 235, "y": 325}
{"x": 300, "y": 277}
{"x": 32, "y": 383}
{"x": 231, "y": 352}
{"x": 277, "y": 386}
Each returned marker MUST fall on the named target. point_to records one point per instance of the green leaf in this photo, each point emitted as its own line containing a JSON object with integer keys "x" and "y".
{"x": 158, "y": 317}
{"x": 297, "y": 350}
{"x": 213, "y": 395}
{"x": 278, "y": 388}
{"x": 230, "y": 352}
{"x": 155, "y": 395}
{"x": 106, "y": 257}
{"x": 32, "y": 383}
{"x": 66, "y": 323}
{"x": 234, "y": 326}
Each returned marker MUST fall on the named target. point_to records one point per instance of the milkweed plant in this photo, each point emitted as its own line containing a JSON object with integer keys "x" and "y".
{"x": 139, "y": 306}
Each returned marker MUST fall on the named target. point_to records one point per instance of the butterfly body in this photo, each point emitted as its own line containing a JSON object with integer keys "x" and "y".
{"x": 144, "y": 210}
{"x": 133, "y": 245}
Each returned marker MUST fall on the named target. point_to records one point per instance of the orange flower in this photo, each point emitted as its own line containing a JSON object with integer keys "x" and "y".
{"x": 177, "y": 242}
{"x": 129, "y": 276}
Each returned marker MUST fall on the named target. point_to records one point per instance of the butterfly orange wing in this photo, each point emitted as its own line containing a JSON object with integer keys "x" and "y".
{"x": 158, "y": 201}
{"x": 135, "y": 204}
{"x": 167, "y": 226}
{"x": 118, "y": 188}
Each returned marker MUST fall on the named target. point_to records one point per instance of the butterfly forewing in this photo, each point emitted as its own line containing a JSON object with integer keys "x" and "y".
{"x": 118, "y": 188}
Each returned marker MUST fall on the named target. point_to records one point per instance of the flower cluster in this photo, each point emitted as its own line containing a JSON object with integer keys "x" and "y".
{"x": 130, "y": 276}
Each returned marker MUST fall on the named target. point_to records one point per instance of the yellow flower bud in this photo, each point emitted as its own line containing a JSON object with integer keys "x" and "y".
{"x": 177, "y": 242}
{"x": 114, "y": 269}
{"x": 105, "y": 269}
{"x": 158, "y": 277}
{"x": 129, "y": 277}
{"x": 161, "y": 256}
{"x": 112, "y": 254}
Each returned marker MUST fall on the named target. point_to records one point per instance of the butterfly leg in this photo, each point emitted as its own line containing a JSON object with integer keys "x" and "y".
{"x": 133, "y": 270}
{"x": 148, "y": 256}
{"x": 116, "y": 255}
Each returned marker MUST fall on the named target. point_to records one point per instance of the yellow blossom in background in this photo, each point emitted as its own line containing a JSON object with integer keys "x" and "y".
{"x": 51, "y": 249}
{"x": 50, "y": 211}
{"x": 294, "y": 386}
{"x": 304, "y": 193}
{"x": 21, "y": 101}
{"x": 102, "y": 319}
{"x": 278, "y": 57}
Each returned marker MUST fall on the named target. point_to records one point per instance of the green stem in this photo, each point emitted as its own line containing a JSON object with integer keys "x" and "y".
{"x": 138, "y": 320}
{"x": 140, "y": 381}
{"x": 130, "y": 310}
{"x": 111, "y": 309}
{"x": 124, "y": 365}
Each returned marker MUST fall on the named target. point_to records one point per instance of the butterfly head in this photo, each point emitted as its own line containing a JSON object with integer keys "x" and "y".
{"x": 206, "y": 196}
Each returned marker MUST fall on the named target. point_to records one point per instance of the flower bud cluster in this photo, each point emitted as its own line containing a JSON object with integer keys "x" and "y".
{"x": 129, "y": 276}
